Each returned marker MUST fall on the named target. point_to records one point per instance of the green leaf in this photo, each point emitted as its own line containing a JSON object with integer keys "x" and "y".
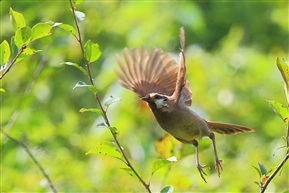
{"x": 76, "y": 66}
{"x": 101, "y": 125}
{"x": 2, "y": 90}
{"x": 283, "y": 67}
{"x": 279, "y": 109}
{"x": 66, "y": 27}
{"x": 287, "y": 191}
{"x": 91, "y": 51}
{"x": 255, "y": 182}
{"x": 162, "y": 163}
{"x": 27, "y": 52}
{"x": 14, "y": 48}
{"x": 17, "y": 18}
{"x": 130, "y": 172}
{"x": 110, "y": 100}
{"x": 81, "y": 84}
{"x": 40, "y": 30}
{"x": 93, "y": 110}
{"x": 106, "y": 148}
{"x": 258, "y": 170}
{"x": 80, "y": 16}
{"x": 4, "y": 52}
{"x": 284, "y": 70}
{"x": 262, "y": 169}
{"x": 114, "y": 130}
{"x": 22, "y": 36}
{"x": 77, "y": 2}
{"x": 167, "y": 189}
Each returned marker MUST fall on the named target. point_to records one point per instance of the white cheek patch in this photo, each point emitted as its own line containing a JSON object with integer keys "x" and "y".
{"x": 159, "y": 103}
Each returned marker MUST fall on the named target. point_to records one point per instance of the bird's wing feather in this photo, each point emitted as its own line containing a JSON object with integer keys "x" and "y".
{"x": 145, "y": 73}
{"x": 181, "y": 77}
{"x": 227, "y": 129}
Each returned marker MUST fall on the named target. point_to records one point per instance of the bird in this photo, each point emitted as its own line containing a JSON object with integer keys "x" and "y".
{"x": 158, "y": 80}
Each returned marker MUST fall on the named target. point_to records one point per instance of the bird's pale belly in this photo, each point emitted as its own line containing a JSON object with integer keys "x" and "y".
{"x": 184, "y": 133}
{"x": 185, "y": 126}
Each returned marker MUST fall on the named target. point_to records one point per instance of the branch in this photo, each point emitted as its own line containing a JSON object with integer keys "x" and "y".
{"x": 16, "y": 113}
{"x": 87, "y": 64}
{"x": 13, "y": 61}
{"x": 22, "y": 144}
{"x": 270, "y": 178}
{"x": 287, "y": 137}
{"x": 263, "y": 187}
{"x": 27, "y": 90}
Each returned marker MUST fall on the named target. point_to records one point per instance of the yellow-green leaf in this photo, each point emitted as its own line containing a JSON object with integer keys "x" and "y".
{"x": 27, "y": 52}
{"x": 66, "y": 27}
{"x": 77, "y": 2}
{"x": 22, "y": 36}
{"x": 106, "y": 148}
{"x": 158, "y": 164}
{"x": 93, "y": 110}
{"x": 76, "y": 66}
{"x": 114, "y": 130}
{"x": 4, "y": 52}
{"x": 279, "y": 109}
{"x": 130, "y": 172}
{"x": 40, "y": 30}
{"x": 91, "y": 51}
{"x": 283, "y": 67}
{"x": 17, "y": 18}
{"x": 81, "y": 84}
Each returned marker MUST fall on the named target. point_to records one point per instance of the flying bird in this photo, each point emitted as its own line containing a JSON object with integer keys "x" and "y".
{"x": 157, "y": 79}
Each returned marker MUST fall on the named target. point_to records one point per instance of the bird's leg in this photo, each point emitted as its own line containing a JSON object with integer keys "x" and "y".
{"x": 199, "y": 166}
{"x": 217, "y": 160}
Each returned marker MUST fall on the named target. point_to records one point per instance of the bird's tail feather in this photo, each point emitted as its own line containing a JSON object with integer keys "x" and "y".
{"x": 227, "y": 129}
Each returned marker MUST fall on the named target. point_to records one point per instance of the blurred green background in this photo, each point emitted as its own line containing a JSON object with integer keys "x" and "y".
{"x": 231, "y": 51}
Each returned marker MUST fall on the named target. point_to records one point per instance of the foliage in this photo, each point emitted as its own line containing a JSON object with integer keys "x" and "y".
{"x": 231, "y": 49}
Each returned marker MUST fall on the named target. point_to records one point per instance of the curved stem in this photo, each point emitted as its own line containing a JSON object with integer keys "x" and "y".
{"x": 270, "y": 178}
{"x": 13, "y": 61}
{"x": 87, "y": 64}
{"x": 25, "y": 147}
{"x": 263, "y": 187}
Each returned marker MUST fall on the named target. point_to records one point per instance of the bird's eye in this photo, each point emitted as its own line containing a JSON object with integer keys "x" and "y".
{"x": 157, "y": 96}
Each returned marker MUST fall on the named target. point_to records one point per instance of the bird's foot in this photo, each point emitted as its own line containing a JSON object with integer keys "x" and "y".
{"x": 218, "y": 165}
{"x": 201, "y": 171}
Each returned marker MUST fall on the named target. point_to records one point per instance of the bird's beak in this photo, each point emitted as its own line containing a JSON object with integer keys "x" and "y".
{"x": 146, "y": 98}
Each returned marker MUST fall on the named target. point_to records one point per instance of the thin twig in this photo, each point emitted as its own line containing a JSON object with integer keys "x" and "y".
{"x": 13, "y": 61}
{"x": 16, "y": 113}
{"x": 27, "y": 91}
{"x": 287, "y": 137}
{"x": 101, "y": 107}
{"x": 22, "y": 144}
{"x": 263, "y": 187}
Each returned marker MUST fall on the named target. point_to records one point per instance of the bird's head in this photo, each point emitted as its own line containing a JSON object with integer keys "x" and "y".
{"x": 156, "y": 99}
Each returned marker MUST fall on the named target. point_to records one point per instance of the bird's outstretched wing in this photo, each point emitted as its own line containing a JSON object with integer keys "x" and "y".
{"x": 145, "y": 73}
{"x": 181, "y": 88}
{"x": 156, "y": 72}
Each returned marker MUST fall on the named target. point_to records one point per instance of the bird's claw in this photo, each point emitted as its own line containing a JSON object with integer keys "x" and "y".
{"x": 218, "y": 165}
{"x": 201, "y": 171}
